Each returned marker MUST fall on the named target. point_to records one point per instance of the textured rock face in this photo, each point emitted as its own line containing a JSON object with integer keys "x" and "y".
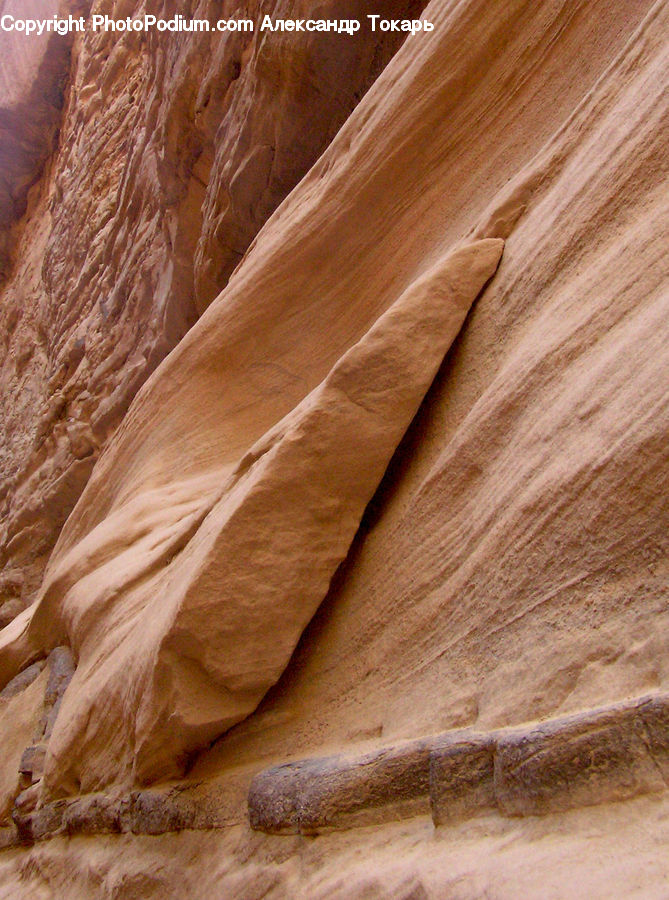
{"x": 19, "y": 718}
{"x": 513, "y": 564}
{"x": 519, "y": 543}
{"x": 173, "y": 151}
{"x": 185, "y": 600}
{"x": 33, "y": 74}
{"x": 579, "y": 760}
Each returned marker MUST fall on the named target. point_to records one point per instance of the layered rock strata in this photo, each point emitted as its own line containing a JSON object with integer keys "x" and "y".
{"x": 173, "y": 151}
{"x": 513, "y": 564}
{"x": 197, "y": 572}
{"x": 595, "y": 757}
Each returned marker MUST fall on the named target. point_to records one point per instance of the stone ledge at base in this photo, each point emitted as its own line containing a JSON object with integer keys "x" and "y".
{"x": 308, "y": 796}
{"x": 195, "y": 806}
{"x": 608, "y": 754}
{"x": 612, "y": 754}
{"x": 601, "y": 755}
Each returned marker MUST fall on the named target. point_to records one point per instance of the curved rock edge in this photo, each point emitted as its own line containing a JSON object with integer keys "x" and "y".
{"x": 608, "y": 754}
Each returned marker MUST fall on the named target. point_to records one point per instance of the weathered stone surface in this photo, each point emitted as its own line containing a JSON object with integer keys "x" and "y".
{"x": 303, "y": 483}
{"x": 21, "y": 681}
{"x": 585, "y": 759}
{"x": 654, "y": 728}
{"x": 315, "y": 795}
{"x": 9, "y": 837}
{"x": 199, "y": 807}
{"x": 461, "y": 776}
{"x": 25, "y": 811}
{"x": 174, "y": 149}
{"x": 44, "y": 822}
{"x": 20, "y": 714}
{"x": 595, "y": 757}
{"x": 514, "y": 563}
{"x": 32, "y": 762}
{"x": 61, "y": 669}
{"x": 94, "y": 814}
{"x": 35, "y": 714}
{"x": 506, "y": 858}
{"x": 138, "y": 520}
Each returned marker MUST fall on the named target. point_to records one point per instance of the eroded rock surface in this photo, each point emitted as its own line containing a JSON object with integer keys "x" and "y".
{"x": 593, "y": 757}
{"x": 513, "y": 564}
{"x": 19, "y": 718}
{"x": 33, "y": 76}
{"x": 173, "y": 151}
{"x": 29, "y": 706}
{"x": 247, "y": 546}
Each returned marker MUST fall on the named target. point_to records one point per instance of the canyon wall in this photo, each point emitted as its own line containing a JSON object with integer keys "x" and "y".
{"x": 172, "y": 152}
{"x": 232, "y": 285}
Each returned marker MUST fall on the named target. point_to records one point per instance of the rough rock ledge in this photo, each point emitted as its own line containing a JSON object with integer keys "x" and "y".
{"x": 597, "y": 756}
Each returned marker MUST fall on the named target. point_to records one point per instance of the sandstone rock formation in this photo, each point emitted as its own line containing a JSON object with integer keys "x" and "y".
{"x": 185, "y": 598}
{"x": 173, "y": 151}
{"x": 579, "y": 760}
{"x": 19, "y": 716}
{"x": 33, "y": 74}
{"x": 513, "y": 564}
